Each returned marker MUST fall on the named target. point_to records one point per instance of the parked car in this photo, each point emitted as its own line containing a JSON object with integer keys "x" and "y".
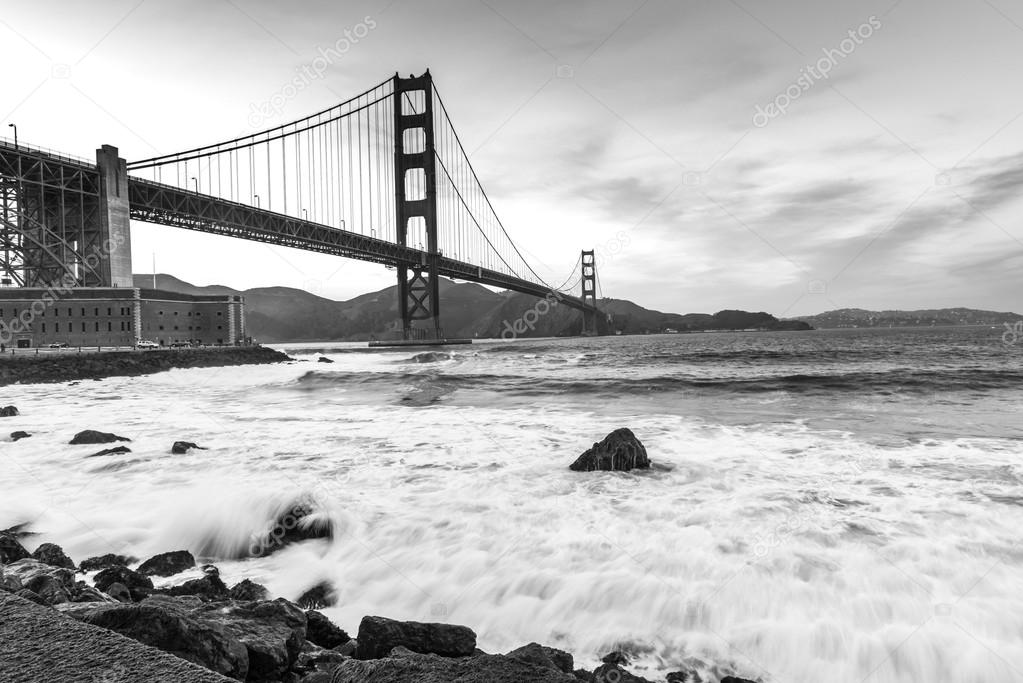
{"x": 58, "y": 345}
{"x": 146, "y": 344}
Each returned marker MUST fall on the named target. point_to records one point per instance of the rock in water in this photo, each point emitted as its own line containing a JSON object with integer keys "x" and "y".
{"x": 620, "y": 451}
{"x": 405, "y": 666}
{"x": 182, "y": 447}
{"x": 91, "y": 436}
{"x": 379, "y": 635}
{"x": 103, "y": 561}
{"x": 16, "y": 436}
{"x": 167, "y": 564}
{"x": 247, "y": 591}
{"x": 110, "y": 451}
{"x": 324, "y": 359}
{"x": 53, "y": 555}
{"x": 11, "y": 549}
{"x": 138, "y": 585}
{"x": 8, "y": 411}
{"x": 320, "y": 595}
{"x": 322, "y": 631}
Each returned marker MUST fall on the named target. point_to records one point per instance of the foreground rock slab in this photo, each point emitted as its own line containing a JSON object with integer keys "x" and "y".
{"x": 40, "y": 644}
{"x": 405, "y": 666}
{"x": 619, "y": 451}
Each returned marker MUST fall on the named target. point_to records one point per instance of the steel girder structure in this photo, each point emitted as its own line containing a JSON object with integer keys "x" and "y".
{"x": 49, "y": 220}
{"x": 154, "y": 202}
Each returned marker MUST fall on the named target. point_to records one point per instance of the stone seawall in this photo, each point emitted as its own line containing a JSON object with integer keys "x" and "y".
{"x": 70, "y": 365}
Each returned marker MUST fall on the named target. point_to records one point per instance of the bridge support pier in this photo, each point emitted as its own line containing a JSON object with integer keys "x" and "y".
{"x": 415, "y": 184}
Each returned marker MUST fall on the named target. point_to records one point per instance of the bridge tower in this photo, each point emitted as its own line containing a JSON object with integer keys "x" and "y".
{"x": 415, "y": 184}
{"x": 589, "y": 297}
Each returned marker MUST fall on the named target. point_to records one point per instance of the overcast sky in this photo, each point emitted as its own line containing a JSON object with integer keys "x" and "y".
{"x": 892, "y": 179}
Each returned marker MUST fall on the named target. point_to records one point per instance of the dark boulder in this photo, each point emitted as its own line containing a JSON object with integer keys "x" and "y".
{"x": 16, "y": 436}
{"x": 11, "y": 549}
{"x": 119, "y": 592}
{"x": 9, "y": 582}
{"x": 736, "y": 679}
{"x": 322, "y": 631}
{"x": 379, "y": 635}
{"x": 103, "y": 561}
{"x": 83, "y": 592}
{"x": 545, "y": 656}
{"x": 614, "y": 672}
{"x": 247, "y": 590}
{"x": 110, "y": 451}
{"x": 138, "y": 586}
{"x": 53, "y": 555}
{"x": 272, "y": 632}
{"x": 619, "y": 451}
{"x": 91, "y": 436}
{"x": 405, "y": 666}
{"x": 182, "y": 447}
{"x": 324, "y": 359}
{"x": 167, "y": 564}
{"x": 29, "y": 595}
{"x": 169, "y": 624}
{"x": 8, "y": 411}
{"x": 319, "y": 596}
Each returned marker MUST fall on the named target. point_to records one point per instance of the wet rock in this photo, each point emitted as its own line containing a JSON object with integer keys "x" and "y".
{"x": 379, "y": 635}
{"x": 271, "y": 631}
{"x": 53, "y": 555}
{"x": 91, "y": 436}
{"x": 110, "y": 451}
{"x": 119, "y": 592}
{"x": 319, "y": 596}
{"x": 614, "y": 672}
{"x": 208, "y": 587}
{"x": 52, "y": 584}
{"x": 544, "y": 656}
{"x": 684, "y": 677}
{"x": 248, "y": 590}
{"x": 405, "y": 666}
{"x": 324, "y": 359}
{"x": 9, "y": 582}
{"x": 8, "y": 411}
{"x": 83, "y": 592}
{"x": 167, "y": 564}
{"x": 11, "y": 549}
{"x": 103, "y": 561}
{"x": 169, "y": 624}
{"x": 182, "y": 447}
{"x": 138, "y": 586}
{"x": 736, "y": 679}
{"x": 619, "y": 451}
{"x": 298, "y": 521}
{"x": 314, "y": 659}
{"x": 321, "y": 631}
{"x": 15, "y": 436}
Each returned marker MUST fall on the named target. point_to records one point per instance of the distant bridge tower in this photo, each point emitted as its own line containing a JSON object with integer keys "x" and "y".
{"x": 589, "y": 297}
{"x": 415, "y": 184}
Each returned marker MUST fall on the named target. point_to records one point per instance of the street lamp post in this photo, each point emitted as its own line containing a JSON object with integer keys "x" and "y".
{"x": 257, "y": 200}
{"x": 15, "y": 127}
{"x": 305, "y": 212}
{"x": 196, "y": 184}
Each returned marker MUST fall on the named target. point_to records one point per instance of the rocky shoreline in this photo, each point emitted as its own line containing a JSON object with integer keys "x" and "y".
{"x": 243, "y": 634}
{"x": 70, "y": 366}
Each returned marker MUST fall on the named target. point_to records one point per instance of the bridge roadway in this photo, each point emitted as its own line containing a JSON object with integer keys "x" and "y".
{"x": 154, "y": 202}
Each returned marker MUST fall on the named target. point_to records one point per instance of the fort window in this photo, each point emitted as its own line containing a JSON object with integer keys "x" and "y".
{"x": 83, "y": 327}
{"x": 56, "y": 327}
{"x": 110, "y": 311}
{"x": 95, "y": 312}
{"x": 43, "y": 327}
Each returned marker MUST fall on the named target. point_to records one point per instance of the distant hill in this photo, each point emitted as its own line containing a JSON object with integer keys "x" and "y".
{"x": 279, "y": 314}
{"x": 858, "y": 317}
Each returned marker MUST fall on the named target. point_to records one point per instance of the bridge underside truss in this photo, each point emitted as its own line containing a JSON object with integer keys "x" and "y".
{"x": 49, "y": 221}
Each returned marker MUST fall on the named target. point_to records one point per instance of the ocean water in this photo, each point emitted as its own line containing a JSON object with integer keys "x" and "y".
{"x": 830, "y": 505}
